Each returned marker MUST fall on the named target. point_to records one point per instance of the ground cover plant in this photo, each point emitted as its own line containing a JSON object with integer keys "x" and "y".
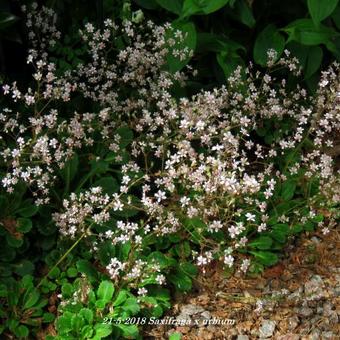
{"x": 141, "y": 151}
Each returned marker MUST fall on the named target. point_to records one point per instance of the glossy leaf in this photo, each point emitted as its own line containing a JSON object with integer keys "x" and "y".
{"x": 191, "y": 7}
{"x": 269, "y": 38}
{"x": 321, "y": 9}
{"x": 189, "y": 42}
{"x": 305, "y": 32}
{"x": 174, "y": 6}
{"x": 105, "y": 290}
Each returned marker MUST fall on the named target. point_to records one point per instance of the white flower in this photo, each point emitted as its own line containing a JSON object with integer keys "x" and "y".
{"x": 229, "y": 260}
{"x": 160, "y": 195}
{"x": 250, "y": 217}
{"x": 142, "y": 291}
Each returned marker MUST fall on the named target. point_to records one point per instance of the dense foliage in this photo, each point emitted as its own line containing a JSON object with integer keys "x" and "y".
{"x": 142, "y": 141}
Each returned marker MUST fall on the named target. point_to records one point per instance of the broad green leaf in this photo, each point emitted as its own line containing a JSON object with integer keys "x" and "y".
{"x": 27, "y": 209}
{"x": 87, "y": 314}
{"x": 174, "y": 6}
{"x": 181, "y": 280}
{"x": 23, "y": 267}
{"x": 30, "y": 298}
{"x": 105, "y": 290}
{"x": 310, "y": 59}
{"x": 336, "y": 17}
{"x": 128, "y": 331}
{"x": 265, "y": 257}
{"x": 108, "y": 184}
{"x": 189, "y": 269}
{"x": 122, "y": 295}
{"x": 48, "y": 317}
{"x": 321, "y": 9}
{"x": 191, "y": 7}
{"x": 216, "y": 43}
{"x": 21, "y": 331}
{"x": 126, "y": 136}
{"x": 280, "y": 232}
{"x": 64, "y": 323}
{"x": 77, "y": 323}
{"x": 86, "y": 267}
{"x": 24, "y": 225}
{"x": 288, "y": 189}
{"x": 268, "y": 39}
{"x": 314, "y": 59}
{"x": 229, "y": 61}
{"x": 305, "y": 32}
{"x": 67, "y": 290}
{"x": 244, "y": 13}
{"x": 188, "y": 43}
{"x": 102, "y": 330}
{"x": 261, "y": 242}
{"x": 131, "y": 305}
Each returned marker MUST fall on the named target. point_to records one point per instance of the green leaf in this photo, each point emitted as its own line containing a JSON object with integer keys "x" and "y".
{"x": 77, "y": 323}
{"x": 288, "y": 189}
{"x": 265, "y": 257}
{"x": 180, "y": 280}
{"x": 24, "y": 225}
{"x": 105, "y": 291}
{"x": 244, "y": 13}
{"x": 27, "y": 209}
{"x": 174, "y": 6}
{"x": 48, "y": 317}
{"x": 67, "y": 290}
{"x": 305, "y": 32}
{"x": 280, "y": 232}
{"x": 103, "y": 330}
{"x": 229, "y": 61}
{"x": 175, "y": 336}
{"x": 131, "y": 305}
{"x": 269, "y": 38}
{"x": 216, "y": 43}
{"x": 7, "y": 19}
{"x": 297, "y": 228}
{"x": 321, "y": 9}
{"x": 128, "y": 331}
{"x": 87, "y": 332}
{"x": 54, "y": 273}
{"x": 314, "y": 59}
{"x": 23, "y": 267}
{"x": 188, "y": 269}
{"x": 72, "y": 272}
{"x": 69, "y": 171}
{"x": 122, "y": 295}
{"x": 30, "y": 298}
{"x": 126, "y": 136}
{"x": 191, "y": 7}
{"x": 189, "y": 42}
{"x": 87, "y": 314}
{"x": 336, "y": 17}
{"x": 86, "y": 267}
{"x": 64, "y": 324}
{"x": 13, "y": 241}
{"x": 261, "y": 242}
{"x": 21, "y": 331}
{"x": 108, "y": 184}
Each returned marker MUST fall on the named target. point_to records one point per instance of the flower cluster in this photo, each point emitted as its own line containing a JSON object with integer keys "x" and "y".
{"x": 214, "y": 164}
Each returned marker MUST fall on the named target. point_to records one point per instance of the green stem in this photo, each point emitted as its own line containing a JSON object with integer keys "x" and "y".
{"x": 62, "y": 258}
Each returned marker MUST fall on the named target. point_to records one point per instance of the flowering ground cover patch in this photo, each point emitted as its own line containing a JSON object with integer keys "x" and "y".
{"x": 123, "y": 176}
